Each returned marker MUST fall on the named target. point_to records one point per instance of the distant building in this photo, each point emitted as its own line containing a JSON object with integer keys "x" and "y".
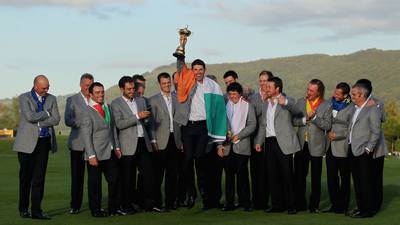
{"x": 5, "y": 133}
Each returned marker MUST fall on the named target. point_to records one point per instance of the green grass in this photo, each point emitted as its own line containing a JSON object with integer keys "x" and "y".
{"x": 56, "y": 201}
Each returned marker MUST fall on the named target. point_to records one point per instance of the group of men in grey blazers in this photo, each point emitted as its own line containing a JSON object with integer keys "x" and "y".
{"x": 134, "y": 133}
{"x": 291, "y": 135}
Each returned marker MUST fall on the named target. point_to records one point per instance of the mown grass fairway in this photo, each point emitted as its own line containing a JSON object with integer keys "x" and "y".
{"x": 56, "y": 201}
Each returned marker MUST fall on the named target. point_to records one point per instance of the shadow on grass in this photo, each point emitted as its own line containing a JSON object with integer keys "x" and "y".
{"x": 389, "y": 193}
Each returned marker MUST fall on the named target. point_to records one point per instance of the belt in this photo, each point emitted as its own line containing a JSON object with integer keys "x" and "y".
{"x": 197, "y": 121}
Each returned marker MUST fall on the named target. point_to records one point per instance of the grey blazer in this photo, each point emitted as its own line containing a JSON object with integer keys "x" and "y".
{"x": 161, "y": 121}
{"x": 284, "y": 129}
{"x": 317, "y": 140}
{"x": 74, "y": 111}
{"x": 257, "y": 103}
{"x": 366, "y": 130}
{"x": 126, "y": 123}
{"x": 244, "y": 145}
{"x": 97, "y": 135}
{"x": 340, "y": 126}
{"x": 30, "y": 121}
{"x": 381, "y": 148}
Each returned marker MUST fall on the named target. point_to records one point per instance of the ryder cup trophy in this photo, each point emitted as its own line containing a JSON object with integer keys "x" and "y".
{"x": 184, "y": 33}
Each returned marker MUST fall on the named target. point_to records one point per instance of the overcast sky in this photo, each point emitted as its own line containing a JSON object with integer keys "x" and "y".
{"x": 65, "y": 38}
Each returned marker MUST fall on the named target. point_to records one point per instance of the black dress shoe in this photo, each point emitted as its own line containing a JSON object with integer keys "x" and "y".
{"x": 361, "y": 215}
{"x": 41, "y": 216}
{"x": 291, "y": 211}
{"x": 157, "y": 210}
{"x": 118, "y": 212}
{"x": 228, "y": 208}
{"x": 273, "y": 210}
{"x": 190, "y": 202}
{"x": 301, "y": 208}
{"x": 99, "y": 213}
{"x": 25, "y": 214}
{"x": 329, "y": 210}
{"x": 129, "y": 211}
{"x": 354, "y": 211}
{"x": 314, "y": 211}
{"x": 74, "y": 211}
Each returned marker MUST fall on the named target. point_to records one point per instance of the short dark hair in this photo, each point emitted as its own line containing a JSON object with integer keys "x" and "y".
{"x": 320, "y": 85}
{"x": 124, "y": 80}
{"x": 139, "y": 85}
{"x": 173, "y": 75}
{"x": 345, "y": 87}
{"x": 163, "y": 75}
{"x": 87, "y": 76}
{"x": 266, "y": 72}
{"x": 137, "y": 77}
{"x": 277, "y": 82}
{"x": 231, "y": 73}
{"x": 235, "y": 86}
{"x": 93, "y": 85}
{"x": 367, "y": 83}
{"x": 198, "y": 62}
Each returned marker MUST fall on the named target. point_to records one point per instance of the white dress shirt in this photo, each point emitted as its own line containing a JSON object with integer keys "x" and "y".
{"x": 198, "y": 107}
{"x": 353, "y": 120}
{"x": 132, "y": 105}
{"x": 168, "y": 101}
{"x": 270, "y": 128}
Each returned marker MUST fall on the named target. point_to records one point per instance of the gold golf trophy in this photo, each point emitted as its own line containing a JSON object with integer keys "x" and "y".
{"x": 184, "y": 33}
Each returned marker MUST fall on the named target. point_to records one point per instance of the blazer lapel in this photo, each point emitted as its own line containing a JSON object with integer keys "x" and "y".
{"x": 174, "y": 102}
{"x": 278, "y": 109}
{"x": 33, "y": 102}
{"x": 163, "y": 104}
{"x": 126, "y": 106}
{"x": 98, "y": 116}
{"x": 361, "y": 114}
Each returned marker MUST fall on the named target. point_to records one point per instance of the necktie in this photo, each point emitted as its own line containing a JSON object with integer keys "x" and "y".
{"x": 100, "y": 110}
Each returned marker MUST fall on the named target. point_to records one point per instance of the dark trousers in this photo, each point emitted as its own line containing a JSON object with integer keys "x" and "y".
{"x": 127, "y": 180}
{"x": 166, "y": 163}
{"x": 361, "y": 169}
{"x": 259, "y": 179}
{"x": 377, "y": 182}
{"x": 32, "y": 174}
{"x": 110, "y": 170}
{"x": 138, "y": 188}
{"x": 280, "y": 168}
{"x": 77, "y": 178}
{"x": 237, "y": 174}
{"x": 195, "y": 139}
{"x": 181, "y": 195}
{"x": 301, "y": 164}
{"x": 338, "y": 178}
{"x": 213, "y": 174}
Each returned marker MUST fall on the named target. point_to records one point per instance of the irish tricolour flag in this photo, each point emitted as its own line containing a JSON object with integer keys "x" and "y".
{"x": 215, "y": 110}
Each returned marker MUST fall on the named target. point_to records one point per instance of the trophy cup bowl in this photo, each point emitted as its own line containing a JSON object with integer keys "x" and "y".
{"x": 180, "y": 50}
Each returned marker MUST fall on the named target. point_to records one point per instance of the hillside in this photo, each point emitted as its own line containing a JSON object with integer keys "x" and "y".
{"x": 381, "y": 67}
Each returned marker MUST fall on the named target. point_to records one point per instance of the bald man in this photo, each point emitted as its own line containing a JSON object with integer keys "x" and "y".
{"x": 35, "y": 138}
